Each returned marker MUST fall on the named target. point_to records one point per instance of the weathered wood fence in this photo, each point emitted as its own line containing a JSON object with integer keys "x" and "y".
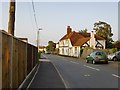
{"x": 17, "y": 59}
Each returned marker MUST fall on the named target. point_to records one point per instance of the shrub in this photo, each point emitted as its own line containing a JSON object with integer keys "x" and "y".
{"x": 39, "y": 55}
{"x": 114, "y": 50}
{"x": 88, "y": 47}
{"x": 81, "y": 51}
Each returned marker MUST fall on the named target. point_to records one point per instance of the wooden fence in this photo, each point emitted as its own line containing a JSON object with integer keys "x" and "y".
{"x": 17, "y": 59}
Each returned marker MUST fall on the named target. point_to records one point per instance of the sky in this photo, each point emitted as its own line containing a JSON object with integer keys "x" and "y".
{"x": 54, "y": 17}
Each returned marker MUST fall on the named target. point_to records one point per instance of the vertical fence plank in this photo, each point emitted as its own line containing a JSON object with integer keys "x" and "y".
{"x": 15, "y": 64}
{"x": 28, "y": 59}
{"x": 20, "y": 64}
{"x": 24, "y": 59}
{"x": 0, "y": 60}
{"x": 5, "y": 61}
{"x": 25, "y": 50}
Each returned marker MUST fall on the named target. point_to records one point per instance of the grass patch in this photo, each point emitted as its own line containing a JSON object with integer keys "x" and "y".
{"x": 82, "y": 58}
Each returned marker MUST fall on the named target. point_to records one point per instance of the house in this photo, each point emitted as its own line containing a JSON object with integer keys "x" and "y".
{"x": 42, "y": 48}
{"x": 72, "y": 42}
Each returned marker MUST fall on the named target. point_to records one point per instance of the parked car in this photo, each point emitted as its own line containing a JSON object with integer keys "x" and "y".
{"x": 114, "y": 56}
{"x": 97, "y": 56}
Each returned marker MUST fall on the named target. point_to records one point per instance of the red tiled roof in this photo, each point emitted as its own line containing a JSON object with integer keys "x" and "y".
{"x": 78, "y": 39}
{"x": 85, "y": 34}
{"x": 98, "y": 37}
{"x": 88, "y": 35}
{"x": 73, "y": 36}
{"x": 81, "y": 41}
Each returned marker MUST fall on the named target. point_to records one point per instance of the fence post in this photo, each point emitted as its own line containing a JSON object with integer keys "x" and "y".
{"x": 0, "y": 60}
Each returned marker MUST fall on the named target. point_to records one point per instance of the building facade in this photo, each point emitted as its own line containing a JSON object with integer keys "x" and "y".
{"x": 71, "y": 43}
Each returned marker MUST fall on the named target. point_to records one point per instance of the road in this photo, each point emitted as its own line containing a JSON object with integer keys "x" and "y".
{"x": 79, "y": 74}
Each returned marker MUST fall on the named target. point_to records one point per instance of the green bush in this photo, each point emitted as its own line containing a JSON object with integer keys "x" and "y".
{"x": 81, "y": 51}
{"x": 39, "y": 55}
{"x": 114, "y": 50}
{"x": 88, "y": 47}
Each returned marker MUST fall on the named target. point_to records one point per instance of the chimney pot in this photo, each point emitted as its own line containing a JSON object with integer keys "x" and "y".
{"x": 69, "y": 30}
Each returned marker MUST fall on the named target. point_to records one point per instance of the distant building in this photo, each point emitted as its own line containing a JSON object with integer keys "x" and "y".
{"x": 71, "y": 43}
{"x": 57, "y": 45}
{"x": 42, "y": 48}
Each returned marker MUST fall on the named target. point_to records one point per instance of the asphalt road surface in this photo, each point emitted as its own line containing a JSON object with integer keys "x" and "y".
{"x": 79, "y": 74}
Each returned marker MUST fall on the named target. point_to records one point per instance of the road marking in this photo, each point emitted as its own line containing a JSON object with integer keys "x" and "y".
{"x": 64, "y": 82}
{"x": 74, "y": 62}
{"x": 33, "y": 78}
{"x": 44, "y": 56}
{"x": 115, "y": 75}
{"x": 87, "y": 75}
{"x": 92, "y": 68}
{"x": 44, "y": 60}
{"x": 27, "y": 77}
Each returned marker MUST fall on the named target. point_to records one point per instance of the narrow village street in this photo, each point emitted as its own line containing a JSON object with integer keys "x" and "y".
{"x": 77, "y": 73}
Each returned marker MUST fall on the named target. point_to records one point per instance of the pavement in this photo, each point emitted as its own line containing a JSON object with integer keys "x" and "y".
{"x": 46, "y": 76}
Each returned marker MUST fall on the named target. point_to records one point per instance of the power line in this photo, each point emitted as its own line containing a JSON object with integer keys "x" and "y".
{"x": 34, "y": 14}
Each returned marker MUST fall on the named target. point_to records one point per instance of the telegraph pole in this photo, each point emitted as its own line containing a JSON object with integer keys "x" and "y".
{"x": 38, "y": 38}
{"x": 11, "y": 23}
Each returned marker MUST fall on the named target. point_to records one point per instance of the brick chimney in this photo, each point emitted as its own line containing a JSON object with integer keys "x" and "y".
{"x": 69, "y": 30}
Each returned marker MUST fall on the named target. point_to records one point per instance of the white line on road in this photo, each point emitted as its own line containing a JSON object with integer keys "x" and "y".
{"x": 44, "y": 56}
{"x": 74, "y": 62}
{"x": 115, "y": 75}
{"x": 27, "y": 77}
{"x": 66, "y": 85}
{"x": 92, "y": 68}
{"x": 33, "y": 78}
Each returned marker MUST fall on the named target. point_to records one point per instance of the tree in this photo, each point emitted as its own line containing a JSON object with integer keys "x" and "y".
{"x": 83, "y": 31}
{"x": 104, "y": 30}
{"x": 117, "y": 44}
{"x": 51, "y": 46}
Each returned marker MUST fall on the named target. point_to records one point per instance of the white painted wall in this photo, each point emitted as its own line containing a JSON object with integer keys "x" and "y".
{"x": 66, "y": 48}
{"x": 102, "y": 42}
{"x": 76, "y": 51}
{"x": 57, "y": 45}
{"x": 60, "y": 50}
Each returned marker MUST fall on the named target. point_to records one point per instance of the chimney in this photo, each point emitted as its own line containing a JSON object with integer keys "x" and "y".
{"x": 69, "y": 30}
{"x": 92, "y": 34}
{"x": 92, "y": 40}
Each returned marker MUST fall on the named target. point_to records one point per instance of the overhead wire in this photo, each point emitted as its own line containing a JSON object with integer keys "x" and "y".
{"x": 34, "y": 14}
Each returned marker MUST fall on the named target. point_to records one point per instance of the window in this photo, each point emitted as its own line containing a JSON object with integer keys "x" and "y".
{"x": 75, "y": 50}
{"x": 62, "y": 51}
{"x": 66, "y": 41}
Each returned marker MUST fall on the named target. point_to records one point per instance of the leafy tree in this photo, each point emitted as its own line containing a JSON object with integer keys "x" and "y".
{"x": 83, "y": 31}
{"x": 117, "y": 44}
{"x": 51, "y": 46}
{"x": 104, "y": 30}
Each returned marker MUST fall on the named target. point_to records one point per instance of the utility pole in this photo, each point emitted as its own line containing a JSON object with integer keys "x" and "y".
{"x": 11, "y": 23}
{"x": 38, "y": 38}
